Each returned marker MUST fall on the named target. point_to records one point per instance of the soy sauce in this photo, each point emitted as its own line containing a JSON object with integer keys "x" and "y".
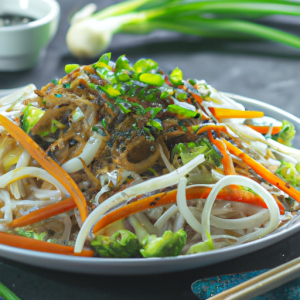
{"x": 12, "y": 20}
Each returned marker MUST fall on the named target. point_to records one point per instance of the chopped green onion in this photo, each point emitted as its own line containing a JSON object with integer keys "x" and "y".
{"x": 122, "y": 63}
{"x": 153, "y": 79}
{"x": 103, "y": 123}
{"x": 176, "y": 77}
{"x": 155, "y": 123}
{"x": 44, "y": 133}
{"x": 176, "y": 109}
{"x": 71, "y": 67}
{"x": 156, "y": 110}
{"x": 145, "y": 65}
{"x": 123, "y": 109}
{"x": 110, "y": 90}
{"x": 55, "y": 81}
{"x": 94, "y": 128}
{"x": 31, "y": 116}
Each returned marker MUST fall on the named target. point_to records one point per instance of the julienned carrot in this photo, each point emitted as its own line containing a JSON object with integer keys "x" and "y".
{"x": 226, "y": 160}
{"x": 235, "y": 194}
{"x": 44, "y": 213}
{"x": 264, "y": 172}
{"x": 265, "y": 129}
{"x": 197, "y": 98}
{"x": 225, "y": 113}
{"x": 47, "y": 163}
{"x": 32, "y": 244}
{"x": 217, "y": 128}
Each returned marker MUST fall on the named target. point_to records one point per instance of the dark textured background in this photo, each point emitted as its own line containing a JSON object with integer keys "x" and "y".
{"x": 260, "y": 70}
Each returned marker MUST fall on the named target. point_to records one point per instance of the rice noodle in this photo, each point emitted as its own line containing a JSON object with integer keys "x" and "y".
{"x": 141, "y": 188}
{"x": 146, "y": 223}
{"x": 183, "y": 208}
{"x": 47, "y": 194}
{"x": 271, "y": 225}
{"x": 178, "y": 222}
{"x": 165, "y": 160}
{"x": 242, "y": 223}
{"x": 21, "y": 173}
{"x": 4, "y": 196}
{"x": 172, "y": 211}
{"x": 17, "y": 188}
{"x": 89, "y": 151}
{"x": 67, "y": 228}
{"x": 38, "y": 203}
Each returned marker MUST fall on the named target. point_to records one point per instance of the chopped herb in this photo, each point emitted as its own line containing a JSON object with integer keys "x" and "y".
{"x": 176, "y": 109}
{"x": 103, "y": 123}
{"x": 71, "y": 67}
{"x": 44, "y": 101}
{"x": 122, "y": 63}
{"x": 94, "y": 128}
{"x": 55, "y": 81}
{"x": 176, "y": 77}
{"x": 145, "y": 65}
{"x": 134, "y": 126}
{"x": 156, "y": 110}
{"x": 153, "y": 79}
{"x": 44, "y": 133}
{"x": 155, "y": 123}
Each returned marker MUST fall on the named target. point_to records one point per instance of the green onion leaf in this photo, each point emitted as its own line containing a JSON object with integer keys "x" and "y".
{"x": 153, "y": 79}
{"x": 176, "y": 109}
{"x": 176, "y": 77}
{"x": 71, "y": 67}
{"x": 145, "y": 65}
{"x": 156, "y": 110}
{"x": 122, "y": 63}
{"x": 155, "y": 123}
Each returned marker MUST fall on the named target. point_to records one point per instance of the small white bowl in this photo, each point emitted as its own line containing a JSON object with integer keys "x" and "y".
{"x": 21, "y": 45}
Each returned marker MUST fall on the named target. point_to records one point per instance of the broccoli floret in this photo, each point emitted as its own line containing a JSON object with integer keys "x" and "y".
{"x": 288, "y": 172}
{"x": 286, "y": 134}
{"x": 189, "y": 151}
{"x": 203, "y": 246}
{"x": 31, "y": 234}
{"x": 123, "y": 244}
{"x": 170, "y": 244}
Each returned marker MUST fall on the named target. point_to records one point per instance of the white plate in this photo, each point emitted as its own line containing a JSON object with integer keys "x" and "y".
{"x": 136, "y": 266}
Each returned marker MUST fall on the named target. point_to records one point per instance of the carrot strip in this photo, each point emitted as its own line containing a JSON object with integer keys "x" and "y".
{"x": 217, "y": 128}
{"x": 44, "y": 213}
{"x": 32, "y": 244}
{"x": 224, "y": 113}
{"x": 226, "y": 160}
{"x": 197, "y": 98}
{"x": 47, "y": 163}
{"x": 280, "y": 205}
{"x": 265, "y": 129}
{"x": 264, "y": 172}
{"x": 235, "y": 194}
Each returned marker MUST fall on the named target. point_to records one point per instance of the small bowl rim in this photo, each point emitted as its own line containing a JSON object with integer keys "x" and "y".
{"x": 53, "y": 13}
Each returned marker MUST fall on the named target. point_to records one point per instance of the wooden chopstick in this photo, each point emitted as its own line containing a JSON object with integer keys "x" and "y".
{"x": 262, "y": 283}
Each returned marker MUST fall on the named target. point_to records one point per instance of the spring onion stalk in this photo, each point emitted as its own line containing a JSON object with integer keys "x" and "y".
{"x": 90, "y": 36}
{"x": 139, "y": 189}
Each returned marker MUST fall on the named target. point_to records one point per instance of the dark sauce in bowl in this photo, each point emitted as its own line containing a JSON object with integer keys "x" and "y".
{"x": 13, "y": 20}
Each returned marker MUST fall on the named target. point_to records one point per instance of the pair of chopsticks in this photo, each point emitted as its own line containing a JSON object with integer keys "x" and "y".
{"x": 262, "y": 283}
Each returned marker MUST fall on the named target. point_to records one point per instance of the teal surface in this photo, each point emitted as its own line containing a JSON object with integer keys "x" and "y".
{"x": 209, "y": 287}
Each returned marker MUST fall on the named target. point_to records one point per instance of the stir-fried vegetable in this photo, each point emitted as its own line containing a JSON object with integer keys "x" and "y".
{"x": 286, "y": 134}
{"x": 170, "y": 244}
{"x": 121, "y": 244}
{"x": 288, "y": 172}
{"x": 89, "y": 36}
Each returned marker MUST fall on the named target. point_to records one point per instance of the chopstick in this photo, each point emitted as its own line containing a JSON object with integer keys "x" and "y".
{"x": 262, "y": 283}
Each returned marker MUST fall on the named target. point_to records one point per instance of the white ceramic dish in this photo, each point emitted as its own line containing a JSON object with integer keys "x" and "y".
{"x": 21, "y": 45}
{"x": 141, "y": 266}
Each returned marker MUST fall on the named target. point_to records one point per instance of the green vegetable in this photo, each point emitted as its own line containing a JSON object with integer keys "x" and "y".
{"x": 145, "y": 65}
{"x": 92, "y": 35}
{"x": 105, "y": 58}
{"x": 31, "y": 234}
{"x": 122, "y": 63}
{"x": 71, "y": 67}
{"x": 170, "y": 244}
{"x": 202, "y": 247}
{"x": 153, "y": 79}
{"x": 7, "y": 294}
{"x": 286, "y": 135}
{"x": 189, "y": 151}
{"x": 176, "y": 77}
{"x": 110, "y": 90}
{"x": 31, "y": 116}
{"x": 122, "y": 244}
{"x": 155, "y": 123}
{"x": 176, "y": 109}
{"x": 289, "y": 173}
